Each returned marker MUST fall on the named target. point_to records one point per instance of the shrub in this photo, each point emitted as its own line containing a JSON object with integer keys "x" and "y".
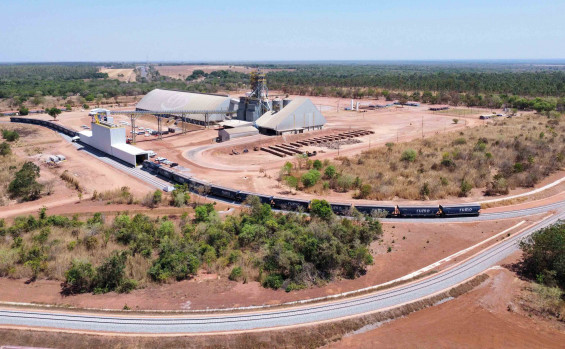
{"x": 329, "y": 172}
{"x": 310, "y": 178}
{"x": 317, "y": 164}
{"x": 180, "y": 199}
{"x": 465, "y": 188}
{"x": 291, "y": 181}
{"x": 5, "y": 149}
{"x": 499, "y": 186}
{"x": 110, "y": 275}
{"x": 236, "y": 274}
{"x": 365, "y": 191}
{"x": 460, "y": 141}
{"x": 157, "y": 197}
{"x": 287, "y": 168}
{"x": 78, "y": 278}
{"x": 321, "y": 209}
{"x": 344, "y": 182}
{"x": 518, "y": 167}
{"x": 273, "y": 281}
{"x": 409, "y": 155}
{"x": 10, "y": 136}
{"x": 543, "y": 255}
{"x": 23, "y": 111}
{"x": 455, "y": 121}
{"x": 24, "y": 185}
{"x": 425, "y": 190}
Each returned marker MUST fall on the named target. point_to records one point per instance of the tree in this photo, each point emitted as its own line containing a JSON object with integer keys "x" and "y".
{"x": 79, "y": 278}
{"x": 111, "y": 274}
{"x": 23, "y": 111}
{"x": 329, "y": 172}
{"x": 53, "y": 112}
{"x": 321, "y": 209}
{"x": 24, "y": 184}
{"x": 310, "y": 178}
{"x": 317, "y": 164}
{"x": 544, "y": 255}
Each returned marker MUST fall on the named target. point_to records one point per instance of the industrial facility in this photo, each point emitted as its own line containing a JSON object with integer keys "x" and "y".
{"x": 297, "y": 116}
{"x": 254, "y": 110}
{"x": 111, "y": 139}
{"x": 178, "y": 100}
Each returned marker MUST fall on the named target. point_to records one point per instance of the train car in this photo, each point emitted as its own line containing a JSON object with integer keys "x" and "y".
{"x": 291, "y": 204}
{"x": 199, "y": 187}
{"x": 460, "y": 210}
{"x": 265, "y": 199}
{"x": 179, "y": 178}
{"x": 340, "y": 209}
{"x": 419, "y": 211}
{"x": 380, "y": 211}
{"x": 165, "y": 172}
{"x": 224, "y": 192}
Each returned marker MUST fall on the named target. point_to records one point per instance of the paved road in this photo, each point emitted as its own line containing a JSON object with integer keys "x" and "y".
{"x": 276, "y": 317}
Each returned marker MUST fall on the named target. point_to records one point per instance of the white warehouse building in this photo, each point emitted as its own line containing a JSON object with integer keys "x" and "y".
{"x": 296, "y": 117}
{"x": 179, "y": 100}
{"x": 111, "y": 139}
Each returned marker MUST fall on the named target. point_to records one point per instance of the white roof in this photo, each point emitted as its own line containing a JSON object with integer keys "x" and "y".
{"x": 98, "y": 110}
{"x": 298, "y": 114}
{"x": 176, "y": 100}
{"x": 87, "y": 133}
{"x": 235, "y": 123}
{"x": 130, "y": 149}
{"x": 243, "y": 129}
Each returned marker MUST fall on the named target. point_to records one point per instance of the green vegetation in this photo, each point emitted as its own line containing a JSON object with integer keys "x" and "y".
{"x": 25, "y": 186}
{"x": 281, "y": 251}
{"x": 53, "y": 112}
{"x": 506, "y": 154}
{"x": 10, "y": 136}
{"x": 544, "y": 256}
{"x": 5, "y": 149}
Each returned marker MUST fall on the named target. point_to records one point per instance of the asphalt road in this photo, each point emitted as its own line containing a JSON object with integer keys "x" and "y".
{"x": 276, "y": 317}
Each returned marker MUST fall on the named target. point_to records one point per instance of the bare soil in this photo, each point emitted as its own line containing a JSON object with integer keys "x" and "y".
{"x": 478, "y": 319}
{"x": 127, "y": 75}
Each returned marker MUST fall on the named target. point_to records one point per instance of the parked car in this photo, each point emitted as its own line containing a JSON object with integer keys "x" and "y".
{"x": 151, "y": 153}
{"x": 174, "y": 164}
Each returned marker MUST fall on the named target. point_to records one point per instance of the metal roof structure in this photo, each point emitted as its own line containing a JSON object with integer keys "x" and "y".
{"x": 173, "y": 102}
{"x": 242, "y": 129}
{"x": 299, "y": 114}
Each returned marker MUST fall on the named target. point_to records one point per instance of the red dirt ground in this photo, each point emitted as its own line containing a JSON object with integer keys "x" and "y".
{"x": 478, "y": 319}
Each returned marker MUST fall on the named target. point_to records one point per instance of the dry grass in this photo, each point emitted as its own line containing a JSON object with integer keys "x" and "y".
{"x": 116, "y": 196}
{"x": 301, "y": 337}
{"x": 503, "y": 155}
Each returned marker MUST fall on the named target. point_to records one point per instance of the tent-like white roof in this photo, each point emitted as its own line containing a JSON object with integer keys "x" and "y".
{"x": 177, "y": 100}
{"x": 299, "y": 114}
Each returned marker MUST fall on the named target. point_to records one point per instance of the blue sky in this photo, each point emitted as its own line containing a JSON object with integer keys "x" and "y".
{"x": 170, "y": 30}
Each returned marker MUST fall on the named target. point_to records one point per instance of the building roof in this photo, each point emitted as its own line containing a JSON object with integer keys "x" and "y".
{"x": 235, "y": 123}
{"x": 130, "y": 149}
{"x": 298, "y": 114}
{"x": 242, "y": 129}
{"x": 177, "y": 100}
{"x": 87, "y": 133}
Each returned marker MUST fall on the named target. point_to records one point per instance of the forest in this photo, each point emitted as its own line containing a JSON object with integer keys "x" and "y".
{"x": 288, "y": 251}
{"x": 520, "y": 86}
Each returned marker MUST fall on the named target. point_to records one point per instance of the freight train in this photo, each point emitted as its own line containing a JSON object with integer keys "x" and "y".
{"x": 288, "y": 204}
{"x": 283, "y": 203}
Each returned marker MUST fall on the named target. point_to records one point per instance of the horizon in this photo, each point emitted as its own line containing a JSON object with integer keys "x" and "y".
{"x": 175, "y": 31}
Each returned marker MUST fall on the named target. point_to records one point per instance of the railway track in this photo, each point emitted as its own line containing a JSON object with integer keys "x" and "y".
{"x": 299, "y": 315}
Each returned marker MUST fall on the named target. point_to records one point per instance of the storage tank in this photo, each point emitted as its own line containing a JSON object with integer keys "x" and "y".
{"x": 286, "y": 101}
{"x": 277, "y": 104}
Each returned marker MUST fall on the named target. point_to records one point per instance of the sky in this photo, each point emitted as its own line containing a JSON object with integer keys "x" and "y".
{"x": 208, "y": 31}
